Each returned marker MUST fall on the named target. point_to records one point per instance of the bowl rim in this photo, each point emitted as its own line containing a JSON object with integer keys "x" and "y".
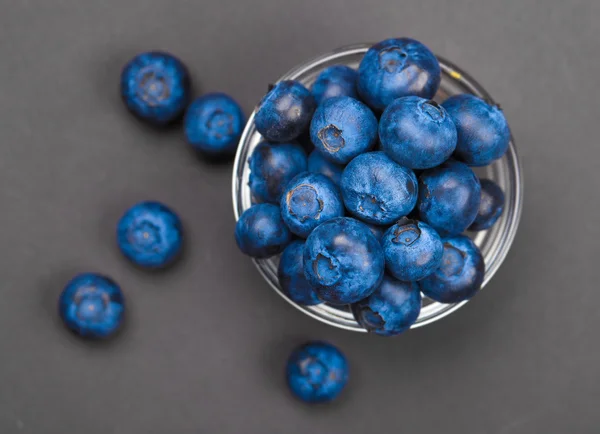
{"x": 474, "y": 87}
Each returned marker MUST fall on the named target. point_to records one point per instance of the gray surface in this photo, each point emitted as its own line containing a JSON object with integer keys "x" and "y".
{"x": 205, "y": 345}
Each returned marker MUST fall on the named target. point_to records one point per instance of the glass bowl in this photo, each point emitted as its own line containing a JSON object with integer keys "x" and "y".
{"x": 506, "y": 172}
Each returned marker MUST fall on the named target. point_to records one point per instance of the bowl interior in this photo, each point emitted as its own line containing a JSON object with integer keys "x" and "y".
{"x": 506, "y": 172}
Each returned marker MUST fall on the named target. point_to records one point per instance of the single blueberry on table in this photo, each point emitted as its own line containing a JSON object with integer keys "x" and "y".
{"x": 395, "y": 68}
{"x": 483, "y": 133}
{"x": 391, "y": 309}
{"x": 213, "y": 124}
{"x": 291, "y": 276}
{"x": 318, "y": 164}
{"x": 490, "y": 207}
{"x": 343, "y": 261}
{"x": 285, "y": 112}
{"x": 460, "y": 275}
{"x": 92, "y": 306}
{"x": 309, "y": 200}
{"x": 377, "y": 190}
{"x": 155, "y": 86}
{"x": 150, "y": 235}
{"x": 417, "y": 133}
{"x": 272, "y": 167}
{"x": 343, "y": 128}
{"x": 449, "y": 197}
{"x": 337, "y": 80}
{"x": 317, "y": 372}
{"x": 412, "y": 249}
{"x": 261, "y": 233}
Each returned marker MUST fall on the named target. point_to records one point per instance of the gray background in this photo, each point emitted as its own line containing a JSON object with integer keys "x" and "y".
{"x": 206, "y": 342}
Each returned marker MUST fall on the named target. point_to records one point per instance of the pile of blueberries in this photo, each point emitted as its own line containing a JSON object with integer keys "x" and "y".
{"x": 364, "y": 185}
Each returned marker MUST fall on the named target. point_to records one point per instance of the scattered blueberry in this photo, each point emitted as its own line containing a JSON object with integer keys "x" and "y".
{"x": 155, "y": 86}
{"x": 449, "y": 197}
{"x": 391, "y": 309}
{"x": 285, "y": 112}
{"x": 92, "y": 306}
{"x": 317, "y": 372}
{"x": 417, "y": 133}
{"x": 490, "y": 207}
{"x": 291, "y": 276}
{"x": 272, "y": 167}
{"x": 461, "y": 274}
{"x": 337, "y": 80}
{"x": 483, "y": 133}
{"x": 412, "y": 249}
{"x": 213, "y": 124}
{"x": 260, "y": 232}
{"x": 309, "y": 200}
{"x": 343, "y": 128}
{"x": 318, "y": 164}
{"x": 377, "y": 190}
{"x": 395, "y": 68}
{"x": 343, "y": 261}
{"x": 150, "y": 235}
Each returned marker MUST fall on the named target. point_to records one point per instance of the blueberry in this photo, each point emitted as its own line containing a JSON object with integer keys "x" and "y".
{"x": 92, "y": 306}
{"x": 260, "y": 232}
{"x": 213, "y": 124}
{"x": 337, "y": 80}
{"x": 155, "y": 86}
{"x": 377, "y": 190}
{"x": 343, "y": 128}
{"x": 461, "y": 274}
{"x": 343, "y": 261}
{"x": 391, "y": 309}
{"x": 490, "y": 207}
{"x": 291, "y": 276}
{"x": 483, "y": 133}
{"x": 272, "y": 167}
{"x": 417, "y": 133}
{"x": 285, "y": 112}
{"x": 395, "y": 68}
{"x": 150, "y": 235}
{"x": 449, "y": 197}
{"x": 412, "y": 249}
{"x": 318, "y": 164}
{"x": 376, "y": 230}
{"x": 309, "y": 200}
{"x": 317, "y": 372}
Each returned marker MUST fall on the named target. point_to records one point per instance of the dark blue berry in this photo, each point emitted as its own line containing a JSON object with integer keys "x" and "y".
{"x": 483, "y": 133}
{"x": 377, "y": 190}
{"x": 391, "y": 309}
{"x": 318, "y": 164}
{"x": 150, "y": 235}
{"x": 272, "y": 167}
{"x": 292, "y": 281}
{"x": 449, "y": 197}
{"x": 317, "y": 372}
{"x": 309, "y": 200}
{"x": 412, "y": 249}
{"x": 92, "y": 306}
{"x": 460, "y": 275}
{"x": 213, "y": 124}
{"x": 343, "y": 128}
{"x": 285, "y": 112}
{"x": 343, "y": 261}
{"x": 260, "y": 232}
{"x": 490, "y": 207}
{"x": 395, "y": 68}
{"x": 155, "y": 86}
{"x": 417, "y": 133}
{"x": 337, "y": 80}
